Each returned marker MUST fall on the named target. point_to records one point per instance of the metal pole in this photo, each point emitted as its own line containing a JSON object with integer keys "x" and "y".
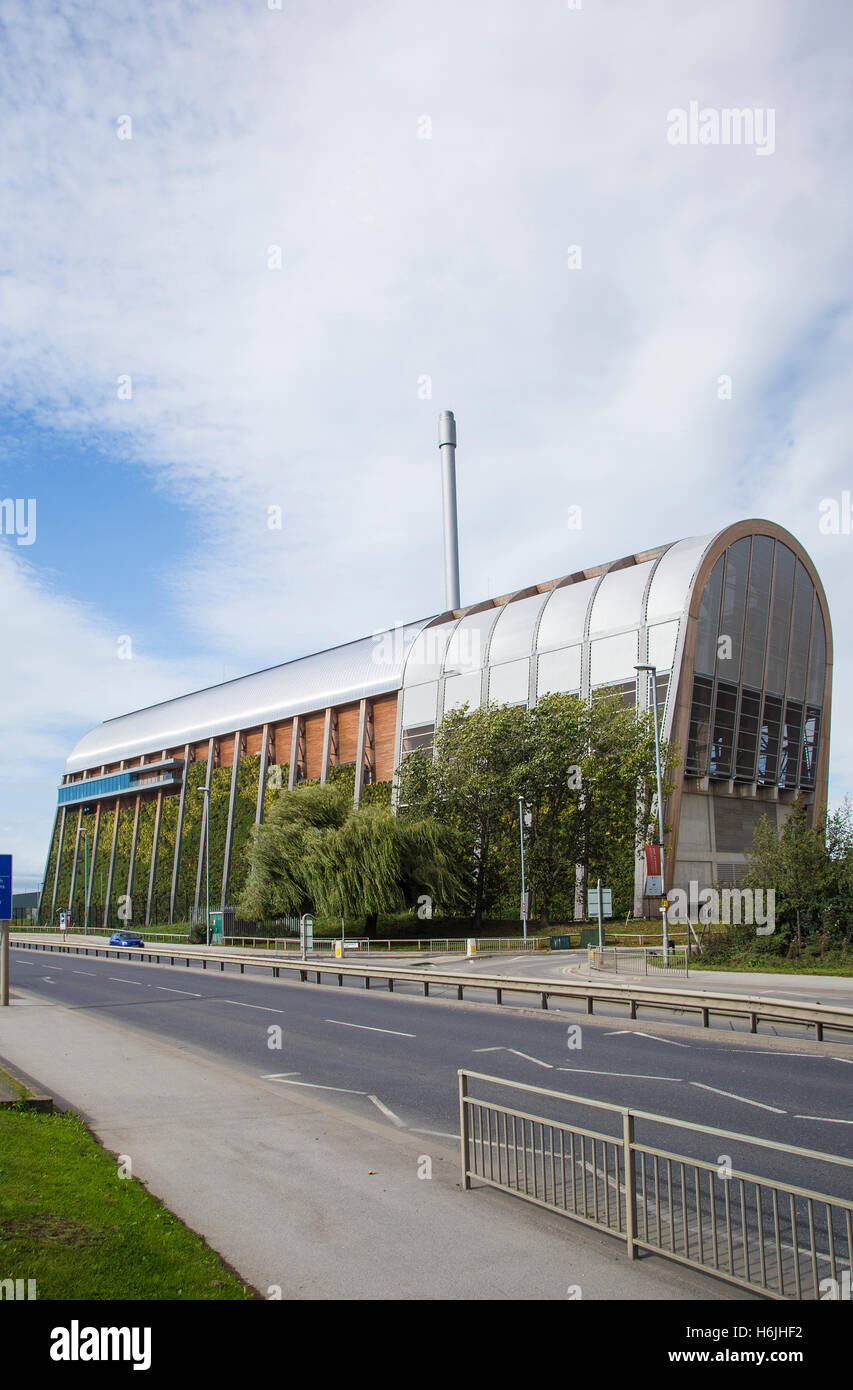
{"x": 523, "y": 884}
{"x": 4, "y": 964}
{"x": 447, "y": 448}
{"x": 600, "y": 918}
{"x": 660, "y": 816}
{"x": 207, "y": 861}
{"x": 205, "y": 792}
{"x": 85, "y": 881}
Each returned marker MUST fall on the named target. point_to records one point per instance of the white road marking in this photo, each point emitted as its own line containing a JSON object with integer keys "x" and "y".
{"x": 312, "y": 1085}
{"x": 745, "y": 1099}
{"x": 120, "y": 981}
{"x": 437, "y": 1133}
{"x": 174, "y": 991}
{"x": 849, "y": 1060}
{"x": 633, "y": 1033}
{"x": 824, "y": 1119}
{"x": 93, "y": 973}
{"x": 637, "y": 1076}
{"x": 368, "y": 1028}
{"x": 239, "y": 1002}
{"x": 395, "y": 1119}
{"x": 525, "y": 1055}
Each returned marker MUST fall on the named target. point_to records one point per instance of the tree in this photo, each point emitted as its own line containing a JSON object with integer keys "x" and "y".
{"x": 807, "y": 866}
{"x": 470, "y": 786}
{"x": 316, "y": 851}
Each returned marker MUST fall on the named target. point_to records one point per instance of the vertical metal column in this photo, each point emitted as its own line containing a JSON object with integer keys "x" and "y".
{"x": 43, "y": 889}
{"x": 74, "y": 860}
{"x": 294, "y": 752}
{"x": 56, "y": 866}
{"x": 359, "y": 752}
{"x": 179, "y": 830}
{"x": 95, "y": 834}
{"x": 155, "y": 845}
{"x": 111, "y": 871}
{"x": 262, "y": 775}
{"x": 204, "y": 815}
{"x": 232, "y": 797}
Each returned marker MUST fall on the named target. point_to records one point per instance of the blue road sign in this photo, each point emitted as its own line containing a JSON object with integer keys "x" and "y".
{"x": 5, "y": 887}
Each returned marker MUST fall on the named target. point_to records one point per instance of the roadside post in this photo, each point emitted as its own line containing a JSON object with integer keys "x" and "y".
{"x": 5, "y": 918}
{"x": 306, "y": 934}
{"x": 599, "y": 903}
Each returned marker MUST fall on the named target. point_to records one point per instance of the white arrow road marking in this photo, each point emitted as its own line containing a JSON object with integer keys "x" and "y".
{"x": 637, "y": 1076}
{"x": 240, "y": 1004}
{"x": 745, "y": 1099}
{"x": 632, "y": 1033}
{"x": 824, "y": 1119}
{"x": 525, "y": 1055}
{"x": 395, "y": 1119}
{"x": 369, "y": 1029}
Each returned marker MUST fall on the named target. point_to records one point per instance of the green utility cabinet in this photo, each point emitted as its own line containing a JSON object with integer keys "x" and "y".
{"x": 216, "y": 926}
{"x": 561, "y": 943}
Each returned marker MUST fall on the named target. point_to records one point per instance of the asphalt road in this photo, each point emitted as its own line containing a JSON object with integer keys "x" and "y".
{"x": 397, "y": 1055}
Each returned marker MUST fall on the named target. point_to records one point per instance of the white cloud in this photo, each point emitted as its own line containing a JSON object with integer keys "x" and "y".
{"x": 400, "y": 257}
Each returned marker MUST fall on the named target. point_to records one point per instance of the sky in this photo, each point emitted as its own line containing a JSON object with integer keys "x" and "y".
{"x": 250, "y": 250}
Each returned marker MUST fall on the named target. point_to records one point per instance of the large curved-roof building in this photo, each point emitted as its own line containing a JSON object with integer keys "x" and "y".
{"x": 735, "y": 623}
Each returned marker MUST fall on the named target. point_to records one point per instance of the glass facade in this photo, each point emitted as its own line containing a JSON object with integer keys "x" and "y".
{"x": 759, "y": 671}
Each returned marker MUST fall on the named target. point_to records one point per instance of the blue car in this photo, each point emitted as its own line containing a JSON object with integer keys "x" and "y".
{"x": 126, "y": 938}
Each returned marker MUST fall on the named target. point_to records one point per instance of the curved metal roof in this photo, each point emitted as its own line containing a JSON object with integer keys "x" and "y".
{"x": 638, "y": 591}
{"x": 370, "y": 666}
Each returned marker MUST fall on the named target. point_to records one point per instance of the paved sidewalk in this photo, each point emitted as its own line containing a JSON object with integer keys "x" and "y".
{"x": 298, "y": 1194}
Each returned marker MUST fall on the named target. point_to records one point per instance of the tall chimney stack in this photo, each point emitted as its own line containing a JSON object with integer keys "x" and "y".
{"x": 447, "y": 448}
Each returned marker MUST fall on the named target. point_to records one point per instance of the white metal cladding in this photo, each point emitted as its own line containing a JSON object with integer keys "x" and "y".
{"x": 573, "y": 637}
{"x": 357, "y": 670}
{"x": 476, "y": 657}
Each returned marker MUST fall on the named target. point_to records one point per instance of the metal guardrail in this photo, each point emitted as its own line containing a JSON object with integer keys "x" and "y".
{"x": 753, "y": 1008}
{"x": 649, "y": 960}
{"x": 773, "y": 1237}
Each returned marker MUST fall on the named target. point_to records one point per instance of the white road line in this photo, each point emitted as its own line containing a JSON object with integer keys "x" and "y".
{"x": 745, "y": 1099}
{"x": 525, "y": 1055}
{"x": 771, "y": 1052}
{"x": 173, "y": 991}
{"x": 395, "y": 1119}
{"x": 368, "y": 1028}
{"x": 312, "y": 1085}
{"x": 120, "y": 981}
{"x": 849, "y": 1060}
{"x": 637, "y": 1076}
{"x": 93, "y": 973}
{"x": 239, "y": 1002}
{"x": 633, "y": 1033}
{"x": 824, "y": 1119}
{"x": 437, "y": 1133}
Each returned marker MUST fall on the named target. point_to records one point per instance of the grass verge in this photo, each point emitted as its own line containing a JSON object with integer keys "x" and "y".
{"x": 71, "y": 1223}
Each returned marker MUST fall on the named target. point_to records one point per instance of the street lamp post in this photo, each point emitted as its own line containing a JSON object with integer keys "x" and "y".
{"x": 523, "y": 883}
{"x": 205, "y": 791}
{"x": 652, "y": 671}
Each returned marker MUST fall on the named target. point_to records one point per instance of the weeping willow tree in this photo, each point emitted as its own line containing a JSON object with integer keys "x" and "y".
{"x": 316, "y": 852}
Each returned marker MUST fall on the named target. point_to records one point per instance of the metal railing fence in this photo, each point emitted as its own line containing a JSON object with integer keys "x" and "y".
{"x": 648, "y": 960}
{"x": 774, "y": 1237}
